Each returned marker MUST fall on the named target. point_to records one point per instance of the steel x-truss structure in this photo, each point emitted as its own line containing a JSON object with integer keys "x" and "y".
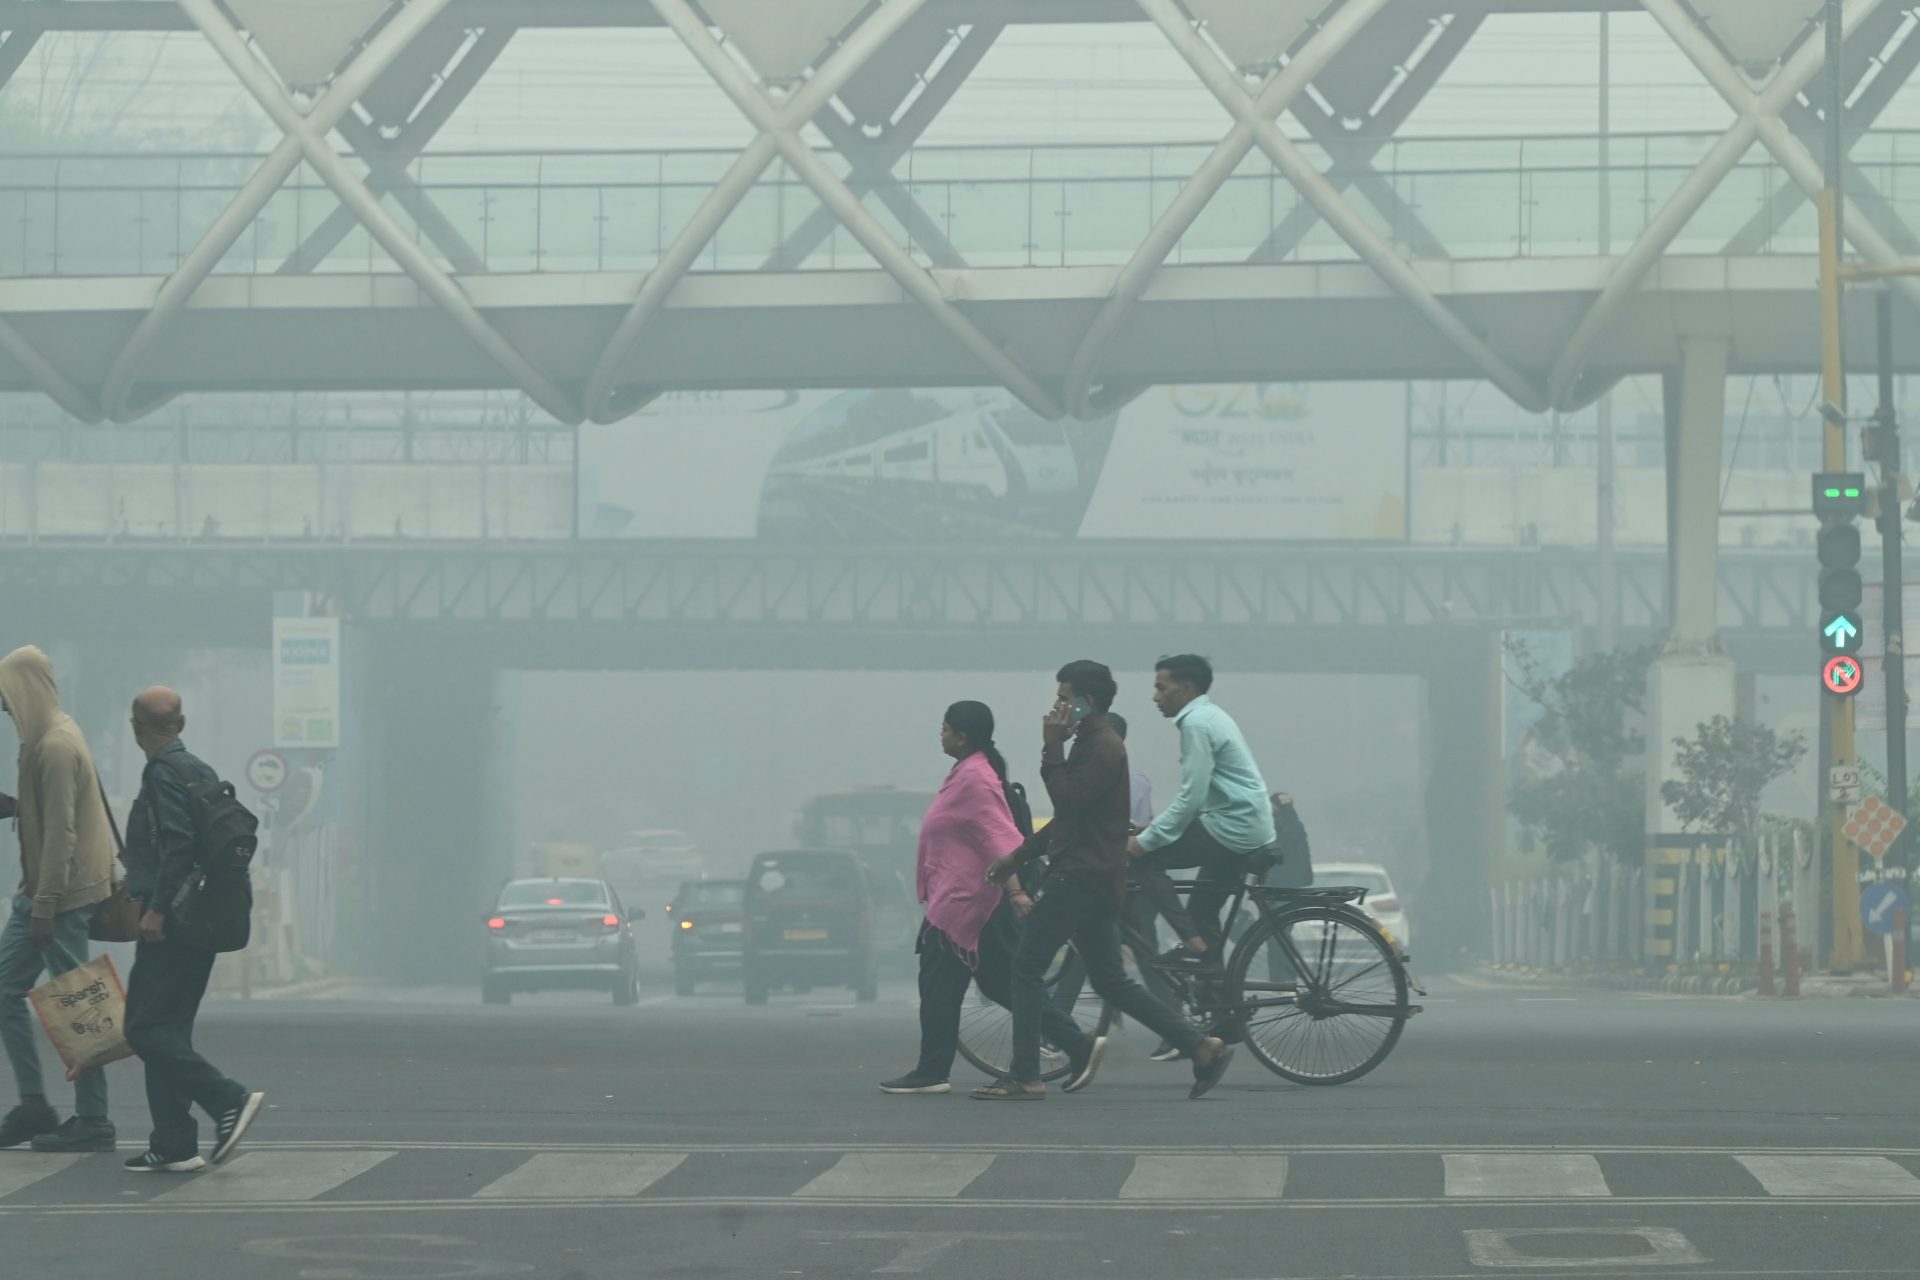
{"x": 383, "y": 76}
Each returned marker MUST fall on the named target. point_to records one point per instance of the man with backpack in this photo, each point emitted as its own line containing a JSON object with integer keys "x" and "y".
{"x": 165, "y": 858}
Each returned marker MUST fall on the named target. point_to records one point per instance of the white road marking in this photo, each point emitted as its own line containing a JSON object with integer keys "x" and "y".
{"x": 17, "y": 1173}
{"x": 573, "y": 1175}
{"x": 274, "y": 1176}
{"x": 1525, "y": 1176}
{"x": 913, "y": 1175}
{"x": 1665, "y": 1248}
{"x": 1831, "y": 1176}
{"x": 1157, "y": 1177}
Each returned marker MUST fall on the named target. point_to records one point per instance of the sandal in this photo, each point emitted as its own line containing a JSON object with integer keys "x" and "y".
{"x": 1005, "y": 1090}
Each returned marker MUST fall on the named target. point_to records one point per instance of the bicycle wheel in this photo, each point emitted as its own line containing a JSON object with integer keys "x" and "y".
{"x": 1339, "y": 1016}
{"x": 986, "y": 1029}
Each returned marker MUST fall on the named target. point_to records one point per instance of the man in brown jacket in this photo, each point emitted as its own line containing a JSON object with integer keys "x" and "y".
{"x": 66, "y": 871}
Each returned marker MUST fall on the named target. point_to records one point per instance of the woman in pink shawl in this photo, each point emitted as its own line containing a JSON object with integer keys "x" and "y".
{"x": 970, "y": 933}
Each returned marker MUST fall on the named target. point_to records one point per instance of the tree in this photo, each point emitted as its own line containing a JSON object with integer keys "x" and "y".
{"x": 1724, "y": 769}
{"x": 1584, "y": 790}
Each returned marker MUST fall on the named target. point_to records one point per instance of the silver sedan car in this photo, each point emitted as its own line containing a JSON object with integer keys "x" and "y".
{"x": 553, "y": 933}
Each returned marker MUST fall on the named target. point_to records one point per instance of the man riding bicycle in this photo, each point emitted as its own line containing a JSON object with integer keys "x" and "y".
{"x": 1222, "y": 814}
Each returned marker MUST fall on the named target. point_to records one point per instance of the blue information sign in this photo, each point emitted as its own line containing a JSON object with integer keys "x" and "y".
{"x": 1879, "y": 904}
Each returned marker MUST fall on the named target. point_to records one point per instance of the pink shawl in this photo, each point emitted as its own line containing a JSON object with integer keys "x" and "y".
{"x": 968, "y": 827}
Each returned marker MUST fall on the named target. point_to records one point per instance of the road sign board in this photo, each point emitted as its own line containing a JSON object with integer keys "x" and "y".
{"x": 1874, "y": 826}
{"x": 1843, "y": 784}
{"x": 1880, "y": 904}
{"x": 1841, "y": 633}
{"x": 1842, "y": 676}
{"x": 267, "y": 772}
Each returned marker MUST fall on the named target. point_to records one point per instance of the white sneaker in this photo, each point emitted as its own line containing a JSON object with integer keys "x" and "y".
{"x": 149, "y": 1162}
{"x": 232, "y": 1126}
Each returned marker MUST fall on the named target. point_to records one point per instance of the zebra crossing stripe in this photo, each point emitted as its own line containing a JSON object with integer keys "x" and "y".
{"x": 1830, "y": 1176}
{"x": 912, "y": 1175}
{"x": 255, "y": 1177}
{"x": 1525, "y": 1177}
{"x": 19, "y": 1174}
{"x": 583, "y": 1175}
{"x": 1226, "y": 1177}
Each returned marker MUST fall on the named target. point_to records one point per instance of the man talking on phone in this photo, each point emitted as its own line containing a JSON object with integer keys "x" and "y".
{"x": 1086, "y": 844}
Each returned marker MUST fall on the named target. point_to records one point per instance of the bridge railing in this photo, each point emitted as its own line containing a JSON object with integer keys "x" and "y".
{"x": 576, "y": 211}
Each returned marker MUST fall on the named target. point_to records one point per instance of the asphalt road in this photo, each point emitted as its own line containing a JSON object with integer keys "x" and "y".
{"x": 1514, "y": 1133}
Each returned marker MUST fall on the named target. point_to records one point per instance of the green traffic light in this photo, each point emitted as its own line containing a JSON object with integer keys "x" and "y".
{"x": 1833, "y": 493}
{"x": 1853, "y": 493}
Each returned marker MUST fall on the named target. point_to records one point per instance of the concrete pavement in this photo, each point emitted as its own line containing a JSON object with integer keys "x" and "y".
{"x": 1536, "y": 1132}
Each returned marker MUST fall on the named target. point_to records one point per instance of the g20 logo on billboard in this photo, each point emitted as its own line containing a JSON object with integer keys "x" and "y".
{"x": 1249, "y": 401}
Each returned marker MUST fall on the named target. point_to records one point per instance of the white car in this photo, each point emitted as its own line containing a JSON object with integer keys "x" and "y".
{"x": 1383, "y": 901}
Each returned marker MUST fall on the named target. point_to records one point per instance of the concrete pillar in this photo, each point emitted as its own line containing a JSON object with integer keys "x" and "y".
{"x": 1464, "y": 812}
{"x": 1692, "y": 679}
{"x": 428, "y": 847}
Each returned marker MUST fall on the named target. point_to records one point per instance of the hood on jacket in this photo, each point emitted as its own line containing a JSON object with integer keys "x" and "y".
{"x": 33, "y": 700}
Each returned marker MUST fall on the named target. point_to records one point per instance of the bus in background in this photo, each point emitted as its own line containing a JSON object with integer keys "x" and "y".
{"x": 882, "y": 825}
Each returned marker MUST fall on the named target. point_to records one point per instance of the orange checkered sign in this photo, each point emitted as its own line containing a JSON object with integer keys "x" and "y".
{"x": 1874, "y": 826}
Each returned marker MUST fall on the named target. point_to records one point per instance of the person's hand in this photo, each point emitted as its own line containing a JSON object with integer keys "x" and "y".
{"x": 1022, "y": 904}
{"x": 1057, "y": 726}
{"x": 1133, "y": 847}
{"x": 40, "y": 932}
{"x": 153, "y": 927}
{"x": 1002, "y": 869}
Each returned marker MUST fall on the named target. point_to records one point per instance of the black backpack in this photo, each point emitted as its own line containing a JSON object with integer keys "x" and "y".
{"x": 214, "y": 908}
{"x": 1022, "y": 811}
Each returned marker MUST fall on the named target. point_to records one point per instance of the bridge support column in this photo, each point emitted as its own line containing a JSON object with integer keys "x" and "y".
{"x": 1692, "y": 679}
{"x": 432, "y": 849}
{"x": 1464, "y": 809}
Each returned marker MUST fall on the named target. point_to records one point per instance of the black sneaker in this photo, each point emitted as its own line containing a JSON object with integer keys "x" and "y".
{"x": 1083, "y": 1072}
{"x": 26, "y": 1122}
{"x": 1167, "y": 1052}
{"x": 154, "y": 1162}
{"x": 1208, "y": 1075}
{"x": 914, "y": 1082}
{"x": 232, "y": 1126}
{"x": 79, "y": 1133}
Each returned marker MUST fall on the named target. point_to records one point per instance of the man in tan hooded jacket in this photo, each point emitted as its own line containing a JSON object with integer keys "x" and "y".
{"x": 66, "y": 871}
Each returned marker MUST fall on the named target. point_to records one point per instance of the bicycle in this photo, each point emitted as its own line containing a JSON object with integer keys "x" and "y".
{"x": 1317, "y": 992}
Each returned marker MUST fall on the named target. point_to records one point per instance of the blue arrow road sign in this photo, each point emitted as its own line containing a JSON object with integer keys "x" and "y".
{"x": 1879, "y": 903}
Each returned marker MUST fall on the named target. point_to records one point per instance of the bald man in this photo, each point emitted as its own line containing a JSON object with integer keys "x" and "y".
{"x": 170, "y": 976}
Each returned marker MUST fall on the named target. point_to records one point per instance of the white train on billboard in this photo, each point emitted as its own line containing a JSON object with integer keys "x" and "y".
{"x": 960, "y": 444}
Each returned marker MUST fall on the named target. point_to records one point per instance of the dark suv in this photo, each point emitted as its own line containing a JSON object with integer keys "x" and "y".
{"x": 708, "y": 931}
{"x": 809, "y": 922}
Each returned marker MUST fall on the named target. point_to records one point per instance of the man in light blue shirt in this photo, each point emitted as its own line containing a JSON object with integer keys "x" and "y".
{"x": 1221, "y": 813}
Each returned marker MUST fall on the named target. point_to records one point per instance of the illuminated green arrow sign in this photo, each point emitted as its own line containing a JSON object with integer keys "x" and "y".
{"x": 1842, "y": 632}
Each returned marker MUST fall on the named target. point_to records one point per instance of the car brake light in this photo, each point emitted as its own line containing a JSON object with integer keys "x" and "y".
{"x": 556, "y": 902}
{"x": 612, "y": 922}
{"x": 1389, "y": 903}
{"x": 496, "y": 923}
{"x": 686, "y": 924}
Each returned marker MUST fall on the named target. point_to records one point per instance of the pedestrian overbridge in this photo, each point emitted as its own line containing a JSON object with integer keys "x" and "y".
{"x": 669, "y": 606}
{"x": 1327, "y": 247}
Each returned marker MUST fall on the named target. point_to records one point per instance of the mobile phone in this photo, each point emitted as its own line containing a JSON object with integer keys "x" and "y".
{"x": 1079, "y": 709}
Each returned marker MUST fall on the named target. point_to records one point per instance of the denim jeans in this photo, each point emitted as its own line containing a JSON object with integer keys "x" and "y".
{"x": 945, "y": 980}
{"x": 163, "y": 998}
{"x": 20, "y": 970}
{"x": 1073, "y": 911}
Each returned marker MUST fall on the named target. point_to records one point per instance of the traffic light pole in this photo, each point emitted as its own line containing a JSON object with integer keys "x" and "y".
{"x": 1848, "y": 949}
{"x": 1886, "y": 439}
{"x": 1887, "y": 453}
